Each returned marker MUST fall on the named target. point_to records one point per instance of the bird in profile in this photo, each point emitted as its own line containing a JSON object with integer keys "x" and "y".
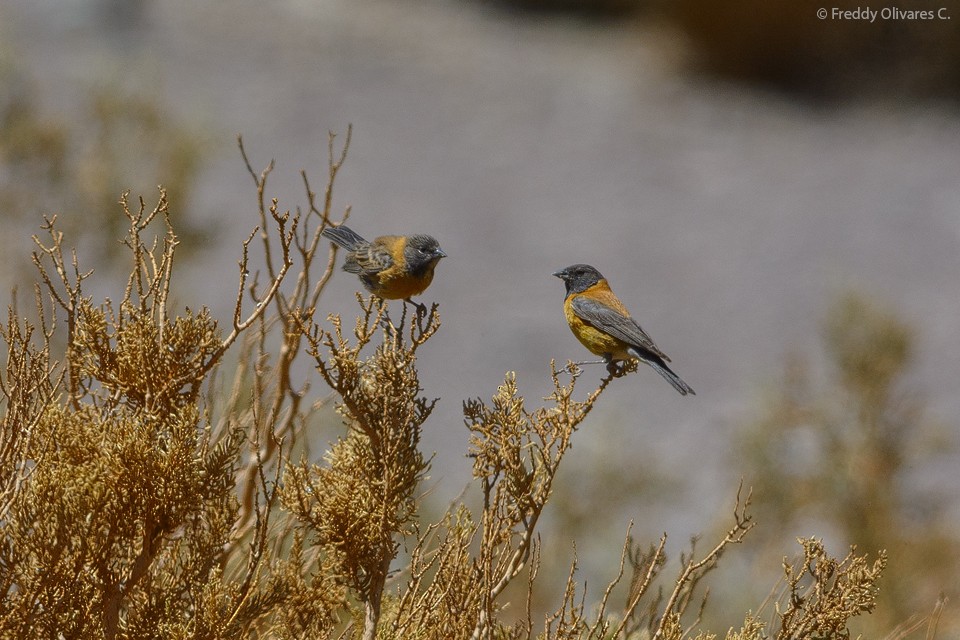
{"x": 602, "y": 323}
{"x": 390, "y": 267}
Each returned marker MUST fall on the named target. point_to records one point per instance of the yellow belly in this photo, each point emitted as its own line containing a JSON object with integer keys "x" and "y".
{"x": 403, "y": 286}
{"x": 593, "y": 339}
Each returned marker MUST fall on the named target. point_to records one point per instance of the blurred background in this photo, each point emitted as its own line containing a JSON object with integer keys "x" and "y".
{"x": 776, "y": 197}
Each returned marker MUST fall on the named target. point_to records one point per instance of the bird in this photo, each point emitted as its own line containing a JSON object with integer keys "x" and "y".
{"x": 604, "y": 326}
{"x": 390, "y": 267}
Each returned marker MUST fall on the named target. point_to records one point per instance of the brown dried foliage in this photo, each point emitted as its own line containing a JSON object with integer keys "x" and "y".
{"x": 144, "y": 496}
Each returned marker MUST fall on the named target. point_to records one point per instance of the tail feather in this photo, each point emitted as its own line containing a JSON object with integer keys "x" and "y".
{"x": 661, "y": 367}
{"x": 344, "y": 237}
{"x": 673, "y": 379}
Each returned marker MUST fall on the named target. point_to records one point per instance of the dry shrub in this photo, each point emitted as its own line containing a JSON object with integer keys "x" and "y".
{"x": 146, "y": 496}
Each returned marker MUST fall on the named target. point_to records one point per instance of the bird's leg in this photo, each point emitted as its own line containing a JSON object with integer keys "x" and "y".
{"x": 421, "y": 308}
{"x": 612, "y": 368}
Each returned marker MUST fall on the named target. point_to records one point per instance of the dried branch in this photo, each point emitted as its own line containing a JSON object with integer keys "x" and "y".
{"x": 517, "y": 454}
{"x": 694, "y": 570}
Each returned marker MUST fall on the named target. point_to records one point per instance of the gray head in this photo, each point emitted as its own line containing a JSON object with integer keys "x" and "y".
{"x": 579, "y": 277}
{"x": 422, "y": 253}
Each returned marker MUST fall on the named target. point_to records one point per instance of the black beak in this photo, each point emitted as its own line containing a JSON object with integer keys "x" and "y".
{"x": 562, "y": 274}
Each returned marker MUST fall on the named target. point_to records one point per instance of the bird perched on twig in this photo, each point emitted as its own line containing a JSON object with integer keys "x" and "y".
{"x": 390, "y": 267}
{"x": 600, "y": 321}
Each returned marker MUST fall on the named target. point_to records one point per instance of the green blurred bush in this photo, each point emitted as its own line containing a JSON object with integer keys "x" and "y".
{"x": 787, "y": 45}
{"x": 77, "y": 162}
{"x": 839, "y": 448}
{"x": 581, "y": 8}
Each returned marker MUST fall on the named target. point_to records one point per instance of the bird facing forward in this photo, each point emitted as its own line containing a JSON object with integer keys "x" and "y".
{"x": 600, "y": 321}
{"x": 390, "y": 267}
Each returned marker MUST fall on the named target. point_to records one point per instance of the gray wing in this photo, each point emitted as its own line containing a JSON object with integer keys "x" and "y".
{"x": 371, "y": 259}
{"x": 617, "y": 324}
